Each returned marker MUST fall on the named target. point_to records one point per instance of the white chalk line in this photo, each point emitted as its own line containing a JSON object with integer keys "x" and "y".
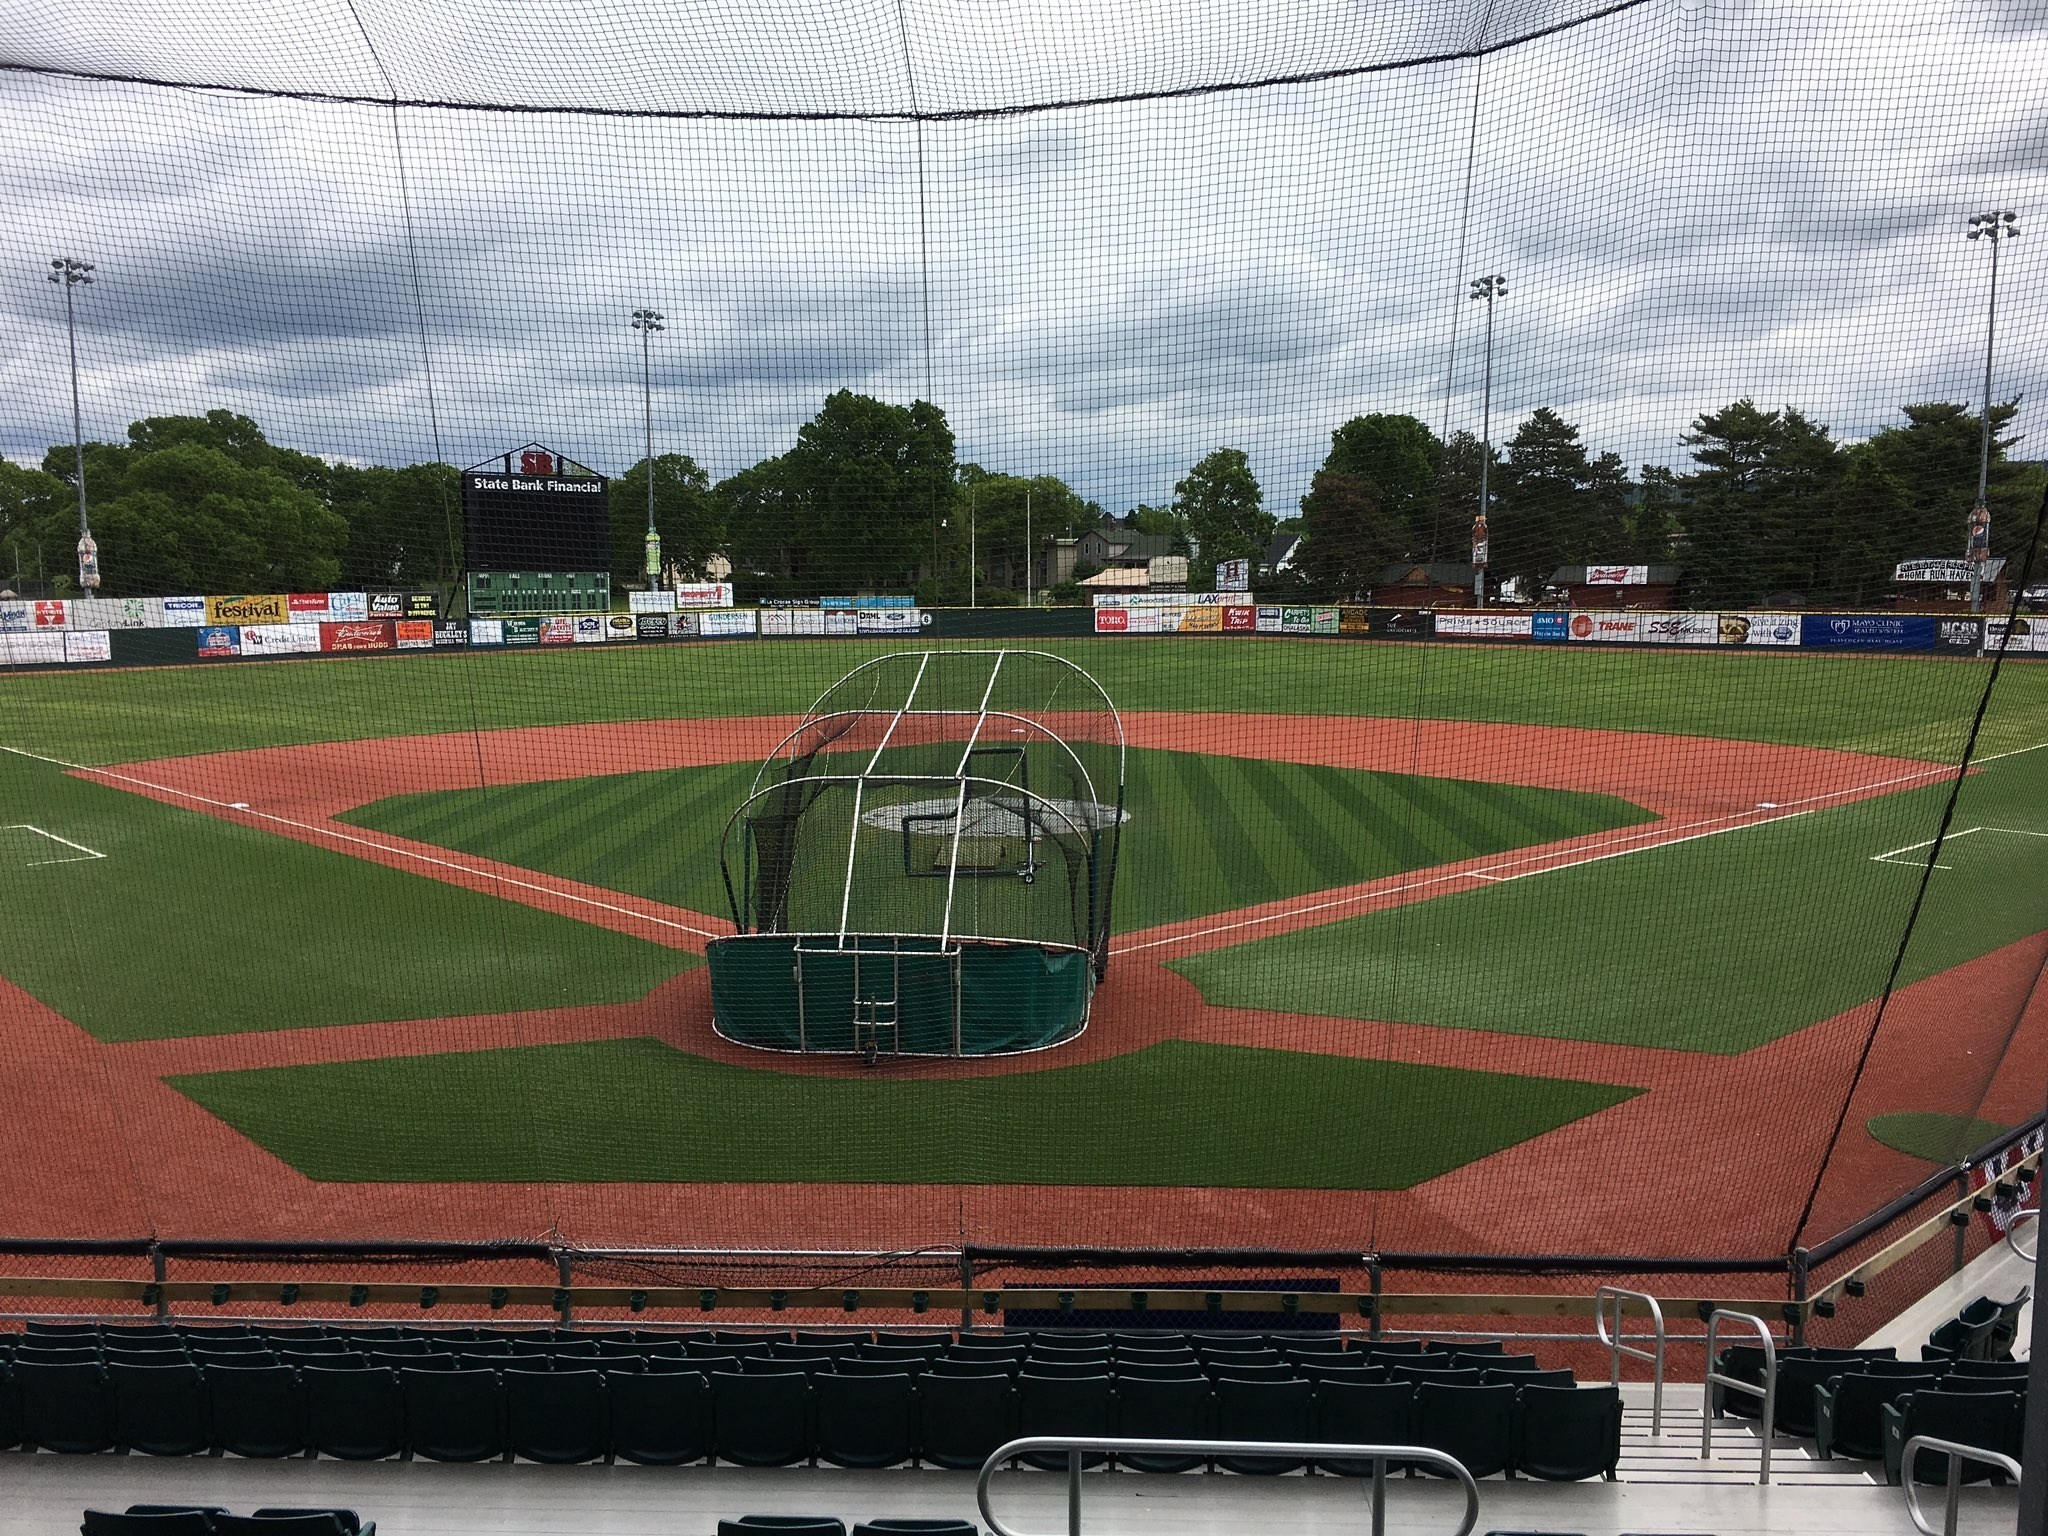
{"x": 240, "y": 809}
{"x": 1890, "y": 855}
{"x": 1568, "y": 861}
{"x": 83, "y": 854}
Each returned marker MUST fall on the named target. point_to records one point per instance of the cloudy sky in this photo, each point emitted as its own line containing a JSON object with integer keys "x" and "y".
{"x": 1693, "y": 200}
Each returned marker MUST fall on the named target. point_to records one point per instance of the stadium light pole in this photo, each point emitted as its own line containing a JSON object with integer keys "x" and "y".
{"x": 68, "y": 272}
{"x": 1996, "y": 227}
{"x": 1488, "y": 288}
{"x": 647, "y": 322}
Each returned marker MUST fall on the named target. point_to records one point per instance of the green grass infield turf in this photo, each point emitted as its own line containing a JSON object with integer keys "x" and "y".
{"x": 1717, "y": 944}
{"x": 193, "y": 926}
{"x": 1174, "y": 1114}
{"x": 1206, "y": 834}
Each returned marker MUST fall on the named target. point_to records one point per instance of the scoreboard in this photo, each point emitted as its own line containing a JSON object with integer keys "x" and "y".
{"x": 535, "y": 510}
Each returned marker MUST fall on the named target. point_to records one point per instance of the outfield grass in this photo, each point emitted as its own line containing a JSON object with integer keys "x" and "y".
{"x": 1932, "y": 1135}
{"x": 1718, "y": 944}
{"x": 193, "y": 926}
{"x": 1206, "y": 834}
{"x": 1175, "y": 1114}
{"x": 1904, "y": 705}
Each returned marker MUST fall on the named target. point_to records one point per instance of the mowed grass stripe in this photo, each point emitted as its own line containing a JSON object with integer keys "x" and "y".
{"x": 196, "y": 926}
{"x": 1718, "y": 944}
{"x": 1207, "y": 833}
{"x": 640, "y": 1111}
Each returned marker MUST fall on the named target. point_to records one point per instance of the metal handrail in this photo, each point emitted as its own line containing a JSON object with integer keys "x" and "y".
{"x": 1654, "y": 1357}
{"x": 2012, "y": 1233}
{"x": 1076, "y": 1445}
{"x": 1957, "y": 1455}
{"x": 1768, "y": 1391}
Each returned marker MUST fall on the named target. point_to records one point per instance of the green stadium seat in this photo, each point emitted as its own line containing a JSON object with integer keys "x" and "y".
{"x": 169, "y": 1522}
{"x": 1565, "y": 1434}
{"x": 761, "y": 1421}
{"x": 660, "y": 1418}
{"x": 1127, "y": 1369}
{"x": 815, "y": 1349}
{"x": 377, "y": 1357}
{"x": 1474, "y": 1424}
{"x": 54, "y": 1330}
{"x": 1363, "y": 1413}
{"x": 1798, "y": 1381}
{"x": 1849, "y": 1412}
{"x": 1983, "y": 1370}
{"x": 256, "y": 1410}
{"x": 347, "y": 1361}
{"x": 1339, "y": 1368}
{"x": 865, "y": 1421}
{"x": 311, "y": 1522}
{"x": 1396, "y": 1346}
{"x": 1163, "y": 1408}
{"x": 887, "y": 1527}
{"x": 141, "y": 1335}
{"x": 1557, "y": 1378}
{"x": 355, "y": 1415}
{"x": 10, "y": 1409}
{"x": 782, "y": 1525}
{"x": 159, "y": 1410}
{"x": 557, "y": 1416}
{"x": 1220, "y": 1366}
{"x": 782, "y": 1365}
{"x": 1987, "y": 1421}
{"x": 222, "y": 1341}
{"x": 1312, "y": 1344}
{"x": 64, "y": 1407}
{"x": 912, "y": 1366}
{"x": 992, "y": 1365}
{"x": 1442, "y": 1376}
{"x": 348, "y": 1520}
{"x": 1499, "y": 1361}
{"x": 1417, "y": 1359}
{"x": 36, "y": 1354}
{"x": 963, "y": 1418}
{"x": 1263, "y": 1410}
{"x": 1064, "y": 1405}
{"x": 454, "y": 1415}
{"x": 749, "y": 1338}
{"x": 1215, "y": 1357}
{"x": 2003, "y": 1333}
{"x": 1470, "y": 1346}
{"x": 480, "y": 1362}
{"x": 1065, "y": 1369}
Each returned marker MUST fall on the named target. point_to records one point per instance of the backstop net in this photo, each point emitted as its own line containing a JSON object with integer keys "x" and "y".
{"x": 615, "y": 526}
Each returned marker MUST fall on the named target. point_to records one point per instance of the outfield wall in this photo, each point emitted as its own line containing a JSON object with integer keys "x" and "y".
{"x": 50, "y": 634}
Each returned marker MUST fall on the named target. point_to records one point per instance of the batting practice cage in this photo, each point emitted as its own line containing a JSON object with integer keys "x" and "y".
{"x": 691, "y": 659}
{"x": 924, "y": 867}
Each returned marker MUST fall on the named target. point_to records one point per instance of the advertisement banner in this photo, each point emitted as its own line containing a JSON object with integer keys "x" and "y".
{"x": 220, "y": 640}
{"x": 651, "y": 626}
{"x": 871, "y": 600}
{"x": 413, "y": 634}
{"x": 1758, "y": 628}
{"x": 1603, "y": 626}
{"x": 887, "y": 621}
{"x": 1498, "y": 626}
{"x": 736, "y": 621}
{"x": 558, "y": 630}
{"x": 1112, "y": 621}
{"x": 835, "y": 602}
{"x": 1353, "y": 620}
{"x": 423, "y": 605}
{"x": 347, "y": 607}
{"x": 1326, "y": 621}
{"x": 1868, "y": 631}
{"x": 450, "y": 634}
{"x": 1158, "y": 599}
{"x": 180, "y": 612}
{"x": 1549, "y": 624}
{"x": 49, "y": 613}
{"x": 1949, "y": 573}
{"x": 521, "y": 629}
{"x": 358, "y": 635}
{"x": 1233, "y": 576}
{"x": 704, "y": 594}
{"x": 2006, "y": 1195}
{"x": 33, "y": 650}
{"x": 280, "y": 639}
{"x": 2015, "y": 637}
{"x": 1240, "y": 619}
{"x": 1400, "y": 623}
{"x": 387, "y": 605}
{"x": 16, "y": 618}
{"x": 1617, "y": 575}
{"x": 88, "y": 645}
{"x": 260, "y": 608}
{"x": 1205, "y": 620}
{"x": 308, "y": 607}
{"x": 1149, "y": 621}
{"x": 1268, "y": 621}
{"x": 651, "y": 602}
{"x": 1964, "y": 632}
{"x": 487, "y": 632}
{"x": 591, "y": 629}
{"x": 841, "y": 623}
{"x": 684, "y": 626}
{"x": 1679, "y": 628}
{"x": 620, "y": 626}
{"x": 117, "y": 613}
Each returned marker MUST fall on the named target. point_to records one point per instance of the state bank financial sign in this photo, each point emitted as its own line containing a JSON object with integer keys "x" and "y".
{"x": 534, "y": 510}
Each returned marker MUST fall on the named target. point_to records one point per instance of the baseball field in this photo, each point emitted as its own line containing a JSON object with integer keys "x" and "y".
{"x": 1428, "y": 946}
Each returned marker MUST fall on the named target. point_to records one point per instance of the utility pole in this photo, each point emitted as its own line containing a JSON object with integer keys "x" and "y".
{"x": 69, "y": 272}
{"x": 1997, "y": 227}
{"x": 647, "y": 322}
{"x": 1488, "y": 288}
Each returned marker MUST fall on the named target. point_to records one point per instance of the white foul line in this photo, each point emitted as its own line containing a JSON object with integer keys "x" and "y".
{"x": 84, "y": 852}
{"x": 1889, "y": 856}
{"x": 240, "y": 808}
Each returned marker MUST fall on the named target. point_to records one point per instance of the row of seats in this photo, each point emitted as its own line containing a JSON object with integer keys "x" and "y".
{"x": 1866, "y": 1403}
{"x": 1549, "y": 1431}
{"x": 1984, "y": 1330}
{"x": 211, "y": 1520}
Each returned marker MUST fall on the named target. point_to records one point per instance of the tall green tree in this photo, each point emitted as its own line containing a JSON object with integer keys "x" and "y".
{"x": 997, "y": 506}
{"x": 29, "y": 502}
{"x": 404, "y": 525}
{"x": 1759, "y": 510}
{"x": 1454, "y": 498}
{"x": 874, "y": 483}
{"x": 1933, "y": 458}
{"x": 1395, "y": 456}
{"x": 760, "y": 512}
{"x": 686, "y": 515}
{"x": 1346, "y": 536}
{"x": 1224, "y": 509}
{"x": 1555, "y": 505}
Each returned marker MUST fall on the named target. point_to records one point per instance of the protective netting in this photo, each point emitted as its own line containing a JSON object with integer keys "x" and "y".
{"x": 1650, "y": 871}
